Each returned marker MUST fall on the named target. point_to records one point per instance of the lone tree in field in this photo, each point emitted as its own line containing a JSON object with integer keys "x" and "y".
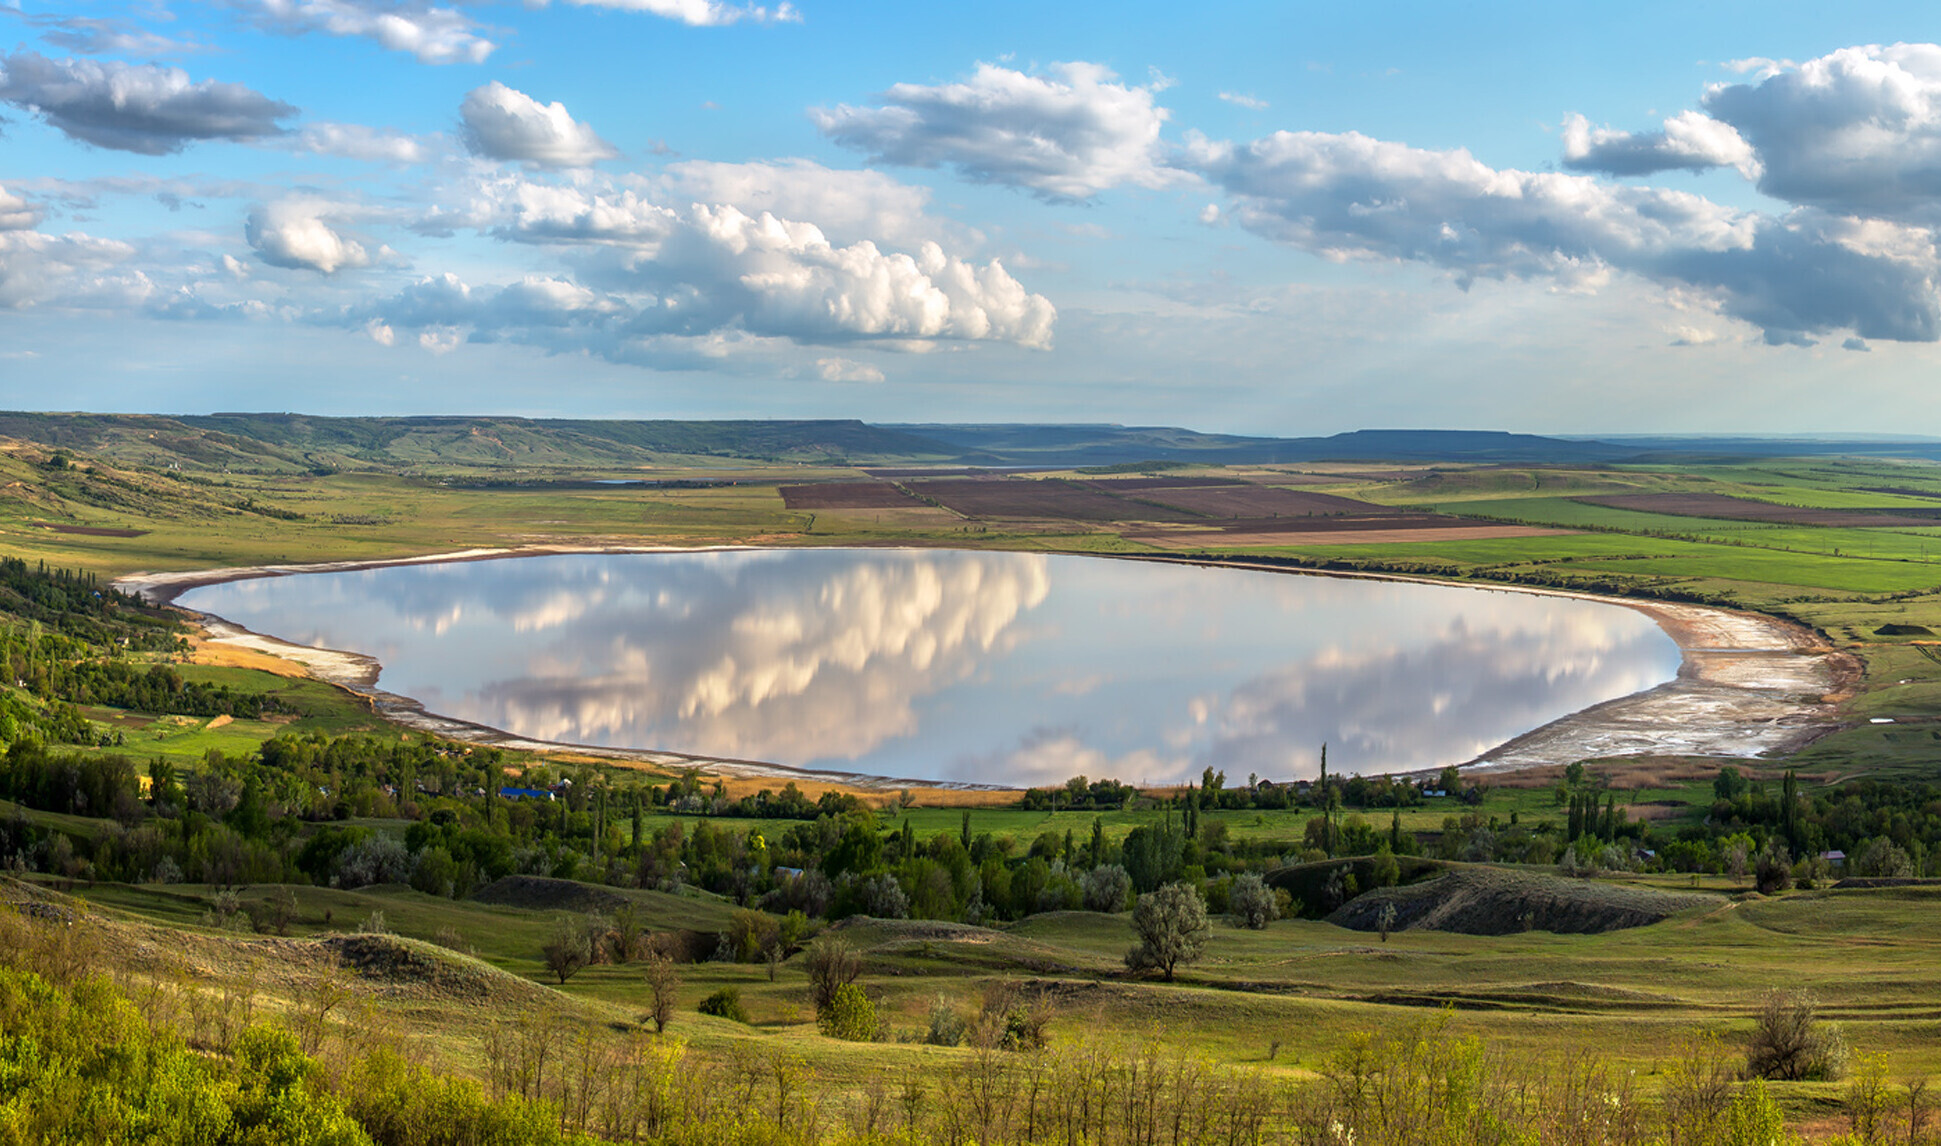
{"x": 1251, "y": 903}
{"x": 832, "y": 964}
{"x": 567, "y": 949}
{"x": 1172, "y": 928}
{"x": 1789, "y": 1043}
{"x": 662, "y": 983}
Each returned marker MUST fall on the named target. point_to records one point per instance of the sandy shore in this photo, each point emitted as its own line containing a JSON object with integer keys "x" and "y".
{"x": 1749, "y": 685}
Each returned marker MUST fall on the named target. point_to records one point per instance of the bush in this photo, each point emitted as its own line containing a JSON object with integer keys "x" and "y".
{"x": 850, "y": 1015}
{"x": 1774, "y": 871}
{"x": 883, "y": 898}
{"x": 1106, "y": 888}
{"x": 947, "y": 1027}
{"x": 1251, "y": 903}
{"x": 1790, "y": 1044}
{"x": 832, "y": 964}
{"x": 724, "y": 1004}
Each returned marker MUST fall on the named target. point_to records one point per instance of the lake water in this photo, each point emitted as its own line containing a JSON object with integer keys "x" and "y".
{"x": 997, "y": 668}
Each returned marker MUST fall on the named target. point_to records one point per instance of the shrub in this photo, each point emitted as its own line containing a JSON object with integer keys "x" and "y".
{"x": 883, "y": 897}
{"x": 850, "y": 1015}
{"x": 1009, "y": 1022}
{"x": 1773, "y": 872}
{"x": 947, "y": 1027}
{"x": 1387, "y": 871}
{"x": 724, "y": 1004}
{"x": 832, "y": 964}
{"x": 1789, "y": 1043}
{"x": 1251, "y": 903}
{"x": 1106, "y": 888}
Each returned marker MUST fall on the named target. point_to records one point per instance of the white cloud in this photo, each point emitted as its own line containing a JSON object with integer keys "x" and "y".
{"x": 1690, "y": 141}
{"x": 1353, "y": 197}
{"x": 93, "y": 37}
{"x": 847, "y": 370}
{"x": 67, "y": 269}
{"x": 356, "y": 141}
{"x": 1241, "y": 99}
{"x": 434, "y": 35}
{"x": 703, "y": 268}
{"x": 141, "y": 108}
{"x": 1759, "y": 67}
{"x": 297, "y": 233}
{"x": 847, "y": 205}
{"x": 1065, "y": 136}
{"x": 1856, "y": 131}
{"x": 16, "y": 214}
{"x": 504, "y": 123}
{"x": 702, "y": 13}
{"x": 784, "y": 278}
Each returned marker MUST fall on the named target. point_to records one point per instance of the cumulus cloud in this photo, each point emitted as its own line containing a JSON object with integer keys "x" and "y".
{"x": 74, "y": 269}
{"x": 16, "y": 214}
{"x": 702, "y": 13}
{"x": 847, "y": 205}
{"x": 434, "y": 35}
{"x": 1241, "y": 99}
{"x": 847, "y": 370}
{"x": 776, "y": 277}
{"x": 141, "y": 108}
{"x": 1353, "y": 197}
{"x": 1064, "y": 136}
{"x": 356, "y": 141}
{"x": 1857, "y": 131}
{"x": 705, "y": 268}
{"x": 298, "y": 234}
{"x": 505, "y": 123}
{"x": 1690, "y": 141}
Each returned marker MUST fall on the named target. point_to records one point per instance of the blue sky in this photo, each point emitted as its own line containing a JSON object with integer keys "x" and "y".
{"x": 1263, "y": 218}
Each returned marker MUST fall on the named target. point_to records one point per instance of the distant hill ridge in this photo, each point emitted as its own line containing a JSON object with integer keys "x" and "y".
{"x": 270, "y": 442}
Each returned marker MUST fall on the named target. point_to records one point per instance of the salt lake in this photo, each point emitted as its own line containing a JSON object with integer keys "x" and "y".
{"x": 978, "y": 667}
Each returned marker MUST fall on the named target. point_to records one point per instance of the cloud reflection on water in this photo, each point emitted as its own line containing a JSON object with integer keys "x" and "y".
{"x": 989, "y": 667}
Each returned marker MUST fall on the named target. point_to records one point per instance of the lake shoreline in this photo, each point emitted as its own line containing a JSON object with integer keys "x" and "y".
{"x": 1748, "y": 685}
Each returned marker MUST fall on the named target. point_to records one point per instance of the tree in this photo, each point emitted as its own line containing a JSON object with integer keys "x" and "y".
{"x": 832, "y": 964}
{"x": 1106, "y": 888}
{"x": 1172, "y": 928}
{"x": 1773, "y": 871}
{"x": 1789, "y": 1042}
{"x": 662, "y": 985}
{"x": 566, "y": 950}
{"x": 1251, "y": 903}
{"x": 1385, "y": 922}
{"x": 850, "y": 1015}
